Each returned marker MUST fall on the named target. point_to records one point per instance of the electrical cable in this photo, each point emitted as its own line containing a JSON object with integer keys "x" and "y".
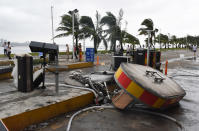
{"x": 138, "y": 110}
{"x": 75, "y": 87}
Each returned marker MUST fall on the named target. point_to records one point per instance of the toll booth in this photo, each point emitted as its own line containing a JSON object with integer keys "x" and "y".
{"x": 140, "y": 57}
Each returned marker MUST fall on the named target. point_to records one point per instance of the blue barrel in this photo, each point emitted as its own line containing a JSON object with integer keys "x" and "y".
{"x": 90, "y": 54}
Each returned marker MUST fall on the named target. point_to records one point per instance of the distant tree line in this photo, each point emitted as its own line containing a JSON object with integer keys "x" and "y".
{"x": 108, "y": 29}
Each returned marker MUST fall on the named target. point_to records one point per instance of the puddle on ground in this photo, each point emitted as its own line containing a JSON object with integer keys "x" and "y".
{"x": 188, "y": 111}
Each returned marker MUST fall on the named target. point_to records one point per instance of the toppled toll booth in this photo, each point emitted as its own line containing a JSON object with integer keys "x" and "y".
{"x": 143, "y": 84}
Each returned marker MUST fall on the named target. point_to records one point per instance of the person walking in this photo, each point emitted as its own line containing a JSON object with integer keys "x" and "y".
{"x": 5, "y": 48}
{"x": 67, "y": 52}
{"x": 9, "y": 50}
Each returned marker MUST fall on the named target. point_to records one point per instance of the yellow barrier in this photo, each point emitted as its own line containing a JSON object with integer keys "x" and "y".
{"x": 20, "y": 121}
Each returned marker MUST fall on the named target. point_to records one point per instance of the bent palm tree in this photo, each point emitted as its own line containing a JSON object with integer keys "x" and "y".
{"x": 66, "y": 27}
{"x": 89, "y": 29}
{"x": 128, "y": 38}
{"x": 114, "y": 30}
{"x": 148, "y": 23}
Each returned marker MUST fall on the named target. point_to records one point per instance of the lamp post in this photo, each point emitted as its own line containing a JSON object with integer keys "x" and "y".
{"x": 73, "y": 13}
{"x": 149, "y": 34}
{"x": 84, "y": 48}
{"x": 56, "y": 57}
{"x": 159, "y": 39}
{"x": 52, "y": 24}
{"x": 169, "y": 39}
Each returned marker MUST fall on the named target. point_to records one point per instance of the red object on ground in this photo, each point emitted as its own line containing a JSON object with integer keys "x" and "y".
{"x": 166, "y": 65}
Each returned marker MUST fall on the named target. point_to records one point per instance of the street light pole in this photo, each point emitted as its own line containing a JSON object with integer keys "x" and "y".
{"x": 73, "y": 33}
{"x": 148, "y": 50}
{"x": 56, "y": 57}
{"x": 159, "y": 39}
{"x": 73, "y": 13}
{"x": 84, "y": 48}
{"x": 52, "y": 24}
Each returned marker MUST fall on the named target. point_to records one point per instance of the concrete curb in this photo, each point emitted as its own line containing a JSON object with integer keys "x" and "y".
{"x": 20, "y": 121}
{"x": 5, "y": 76}
{"x": 78, "y": 65}
{"x": 6, "y": 62}
{"x": 66, "y": 67}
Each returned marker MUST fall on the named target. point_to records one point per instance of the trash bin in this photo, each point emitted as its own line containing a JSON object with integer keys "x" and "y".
{"x": 25, "y": 72}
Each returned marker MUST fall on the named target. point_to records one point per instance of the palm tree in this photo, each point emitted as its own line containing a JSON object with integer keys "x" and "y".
{"x": 89, "y": 29}
{"x": 173, "y": 40}
{"x": 128, "y": 38}
{"x": 66, "y": 27}
{"x": 165, "y": 40}
{"x": 148, "y": 23}
{"x": 114, "y": 28}
{"x": 160, "y": 39}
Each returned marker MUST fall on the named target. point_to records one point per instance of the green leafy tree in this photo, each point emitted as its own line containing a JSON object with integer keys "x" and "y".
{"x": 89, "y": 29}
{"x": 148, "y": 25}
{"x": 114, "y": 28}
{"x": 160, "y": 38}
{"x": 173, "y": 40}
{"x": 130, "y": 39}
{"x": 66, "y": 27}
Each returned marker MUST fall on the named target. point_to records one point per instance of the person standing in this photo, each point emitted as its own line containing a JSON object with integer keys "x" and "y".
{"x": 80, "y": 52}
{"x": 67, "y": 52}
{"x": 75, "y": 51}
{"x": 194, "y": 50}
{"x": 128, "y": 50}
{"x": 5, "y": 48}
{"x": 9, "y": 50}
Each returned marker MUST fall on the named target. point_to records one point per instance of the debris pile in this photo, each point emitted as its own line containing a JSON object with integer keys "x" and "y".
{"x": 133, "y": 84}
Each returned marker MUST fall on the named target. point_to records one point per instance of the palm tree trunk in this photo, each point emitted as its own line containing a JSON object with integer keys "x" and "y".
{"x": 95, "y": 44}
{"x": 76, "y": 44}
{"x": 113, "y": 45}
{"x": 121, "y": 46}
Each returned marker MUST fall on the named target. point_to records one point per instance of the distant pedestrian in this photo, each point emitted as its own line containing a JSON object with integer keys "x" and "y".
{"x": 5, "y": 48}
{"x": 117, "y": 51}
{"x": 9, "y": 50}
{"x": 131, "y": 50}
{"x": 194, "y": 50}
{"x": 67, "y": 52}
{"x": 80, "y": 52}
{"x": 75, "y": 51}
{"x": 128, "y": 50}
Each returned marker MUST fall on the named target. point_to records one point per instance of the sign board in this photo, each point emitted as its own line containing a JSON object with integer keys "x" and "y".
{"x": 90, "y": 55}
{"x": 40, "y": 53}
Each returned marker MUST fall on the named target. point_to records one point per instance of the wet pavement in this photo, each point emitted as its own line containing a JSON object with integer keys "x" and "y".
{"x": 185, "y": 73}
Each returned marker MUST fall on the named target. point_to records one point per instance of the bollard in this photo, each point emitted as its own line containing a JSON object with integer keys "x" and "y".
{"x": 97, "y": 60}
{"x": 166, "y": 64}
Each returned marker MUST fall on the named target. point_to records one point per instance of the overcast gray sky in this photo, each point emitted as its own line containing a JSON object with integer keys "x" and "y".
{"x": 26, "y": 20}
